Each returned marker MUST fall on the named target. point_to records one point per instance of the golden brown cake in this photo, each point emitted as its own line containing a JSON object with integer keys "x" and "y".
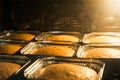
{"x": 65, "y": 71}
{"x": 7, "y": 69}
{"x": 9, "y": 48}
{"x": 106, "y": 39}
{"x": 54, "y": 51}
{"x": 101, "y": 53}
{"x": 63, "y": 38}
{"x": 27, "y": 37}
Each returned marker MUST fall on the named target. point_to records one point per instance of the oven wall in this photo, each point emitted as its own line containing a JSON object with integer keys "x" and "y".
{"x": 46, "y": 15}
{"x": 1, "y": 15}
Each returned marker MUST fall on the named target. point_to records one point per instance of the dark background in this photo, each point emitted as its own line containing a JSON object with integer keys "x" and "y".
{"x": 1, "y": 14}
{"x": 67, "y": 15}
{"x": 46, "y": 15}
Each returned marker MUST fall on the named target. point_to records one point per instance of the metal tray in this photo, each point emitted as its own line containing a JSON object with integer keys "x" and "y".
{"x": 10, "y": 47}
{"x": 94, "y": 64}
{"x": 99, "y": 51}
{"x": 21, "y": 60}
{"x": 107, "y": 37}
{"x": 44, "y": 35}
{"x": 58, "y": 42}
{"x": 8, "y": 35}
{"x": 32, "y": 46}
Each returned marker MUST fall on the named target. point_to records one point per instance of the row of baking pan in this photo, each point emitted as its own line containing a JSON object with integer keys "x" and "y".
{"x": 109, "y": 44}
{"x": 29, "y": 68}
{"x": 105, "y": 68}
{"x": 53, "y": 49}
{"x": 36, "y": 35}
{"x": 77, "y": 37}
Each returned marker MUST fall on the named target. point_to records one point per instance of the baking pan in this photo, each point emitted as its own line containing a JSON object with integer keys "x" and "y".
{"x": 58, "y": 42}
{"x": 23, "y": 61}
{"x": 102, "y": 37}
{"x": 19, "y": 35}
{"x": 11, "y": 47}
{"x": 99, "y": 51}
{"x": 39, "y": 64}
{"x": 77, "y": 36}
{"x": 52, "y": 48}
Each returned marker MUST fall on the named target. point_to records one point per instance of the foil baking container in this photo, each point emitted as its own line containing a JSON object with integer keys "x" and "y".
{"x": 23, "y": 61}
{"x": 45, "y": 35}
{"x": 40, "y": 63}
{"x": 99, "y": 51}
{"x": 101, "y": 37}
{"x": 11, "y": 47}
{"x": 11, "y": 35}
{"x": 30, "y": 48}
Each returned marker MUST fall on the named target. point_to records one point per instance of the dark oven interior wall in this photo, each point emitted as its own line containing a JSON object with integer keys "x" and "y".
{"x": 22, "y": 14}
{"x": 46, "y": 15}
{"x": 1, "y": 15}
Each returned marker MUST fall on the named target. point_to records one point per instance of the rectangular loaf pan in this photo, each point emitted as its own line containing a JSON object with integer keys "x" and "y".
{"x": 30, "y": 48}
{"x": 39, "y": 64}
{"x": 101, "y": 37}
{"x": 23, "y": 61}
{"x": 19, "y": 35}
{"x": 99, "y": 51}
{"x": 45, "y": 35}
{"x": 11, "y": 47}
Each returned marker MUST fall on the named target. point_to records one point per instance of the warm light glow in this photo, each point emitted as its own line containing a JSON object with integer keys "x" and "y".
{"x": 108, "y": 16}
{"x": 112, "y": 6}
